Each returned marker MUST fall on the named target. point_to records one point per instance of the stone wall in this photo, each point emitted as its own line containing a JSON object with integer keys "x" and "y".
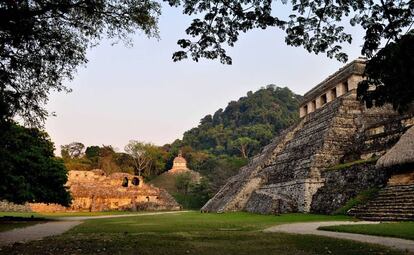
{"x": 6, "y": 206}
{"x": 344, "y": 184}
{"x": 405, "y": 177}
{"x": 380, "y": 134}
{"x": 94, "y": 191}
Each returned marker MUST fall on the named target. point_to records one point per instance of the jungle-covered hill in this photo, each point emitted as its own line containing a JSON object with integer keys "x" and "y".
{"x": 245, "y": 125}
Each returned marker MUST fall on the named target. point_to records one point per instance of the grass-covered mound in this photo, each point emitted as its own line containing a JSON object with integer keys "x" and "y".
{"x": 187, "y": 187}
{"x": 195, "y": 233}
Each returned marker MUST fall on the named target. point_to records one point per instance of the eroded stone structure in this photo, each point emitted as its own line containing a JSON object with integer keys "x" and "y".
{"x": 334, "y": 128}
{"x": 95, "y": 191}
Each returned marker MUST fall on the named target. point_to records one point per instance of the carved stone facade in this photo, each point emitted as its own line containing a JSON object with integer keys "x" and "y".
{"x": 287, "y": 174}
{"x": 94, "y": 191}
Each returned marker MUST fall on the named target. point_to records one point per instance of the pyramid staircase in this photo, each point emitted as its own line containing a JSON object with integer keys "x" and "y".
{"x": 392, "y": 203}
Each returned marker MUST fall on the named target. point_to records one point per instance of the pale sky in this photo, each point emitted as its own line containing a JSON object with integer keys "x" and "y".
{"x": 139, "y": 93}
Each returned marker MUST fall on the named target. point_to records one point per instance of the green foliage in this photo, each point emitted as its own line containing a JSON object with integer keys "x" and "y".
{"x": 96, "y": 157}
{"x": 182, "y": 182}
{"x": 361, "y": 198}
{"x": 191, "y": 195}
{"x": 244, "y": 145}
{"x": 92, "y": 153}
{"x": 259, "y": 117}
{"x": 28, "y": 169}
{"x": 317, "y": 26}
{"x": 148, "y": 159}
{"x": 403, "y": 230}
{"x": 390, "y": 76}
{"x": 106, "y": 158}
{"x": 217, "y": 170}
{"x": 72, "y": 150}
{"x": 42, "y": 43}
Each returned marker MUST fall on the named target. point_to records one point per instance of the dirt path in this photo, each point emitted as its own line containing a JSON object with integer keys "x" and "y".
{"x": 58, "y": 227}
{"x": 36, "y": 232}
{"x": 311, "y": 228}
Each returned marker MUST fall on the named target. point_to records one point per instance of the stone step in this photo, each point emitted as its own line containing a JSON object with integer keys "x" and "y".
{"x": 393, "y": 191}
{"x": 397, "y": 190}
{"x": 405, "y": 199}
{"x": 387, "y": 214}
{"x": 391, "y": 203}
{"x": 396, "y": 194}
{"x": 406, "y": 203}
{"x": 386, "y": 218}
{"x": 400, "y": 187}
{"x": 383, "y": 211}
{"x": 386, "y": 205}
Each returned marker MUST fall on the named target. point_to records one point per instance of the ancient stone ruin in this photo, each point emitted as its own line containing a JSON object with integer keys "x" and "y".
{"x": 167, "y": 180}
{"x": 179, "y": 164}
{"x": 94, "y": 191}
{"x": 324, "y": 159}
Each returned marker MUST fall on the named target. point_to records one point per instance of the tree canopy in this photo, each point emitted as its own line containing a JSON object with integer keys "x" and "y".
{"x": 28, "y": 169}
{"x": 390, "y": 76}
{"x": 43, "y": 41}
{"x": 246, "y": 125}
{"x": 318, "y": 26}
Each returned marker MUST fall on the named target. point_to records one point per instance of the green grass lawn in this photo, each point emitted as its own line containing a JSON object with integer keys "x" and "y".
{"x": 7, "y": 223}
{"x": 194, "y": 233}
{"x": 401, "y": 229}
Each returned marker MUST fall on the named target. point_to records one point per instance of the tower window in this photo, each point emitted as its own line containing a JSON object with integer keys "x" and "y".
{"x": 323, "y": 99}
{"x": 135, "y": 181}
{"x": 333, "y": 93}
{"x": 125, "y": 182}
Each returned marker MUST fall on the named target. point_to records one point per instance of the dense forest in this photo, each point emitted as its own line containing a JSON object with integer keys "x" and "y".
{"x": 217, "y": 147}
{"x": 246, "y": 125}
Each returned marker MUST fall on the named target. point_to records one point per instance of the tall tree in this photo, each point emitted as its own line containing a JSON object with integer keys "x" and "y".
{"x": 28, "y": 169}
{"x": 43, "y": 41}
{"x": 138, "y": 151}
{"x": 72, "y": 150}
{"x": 390, "y": 76}
{"x": 244, "y": 145}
